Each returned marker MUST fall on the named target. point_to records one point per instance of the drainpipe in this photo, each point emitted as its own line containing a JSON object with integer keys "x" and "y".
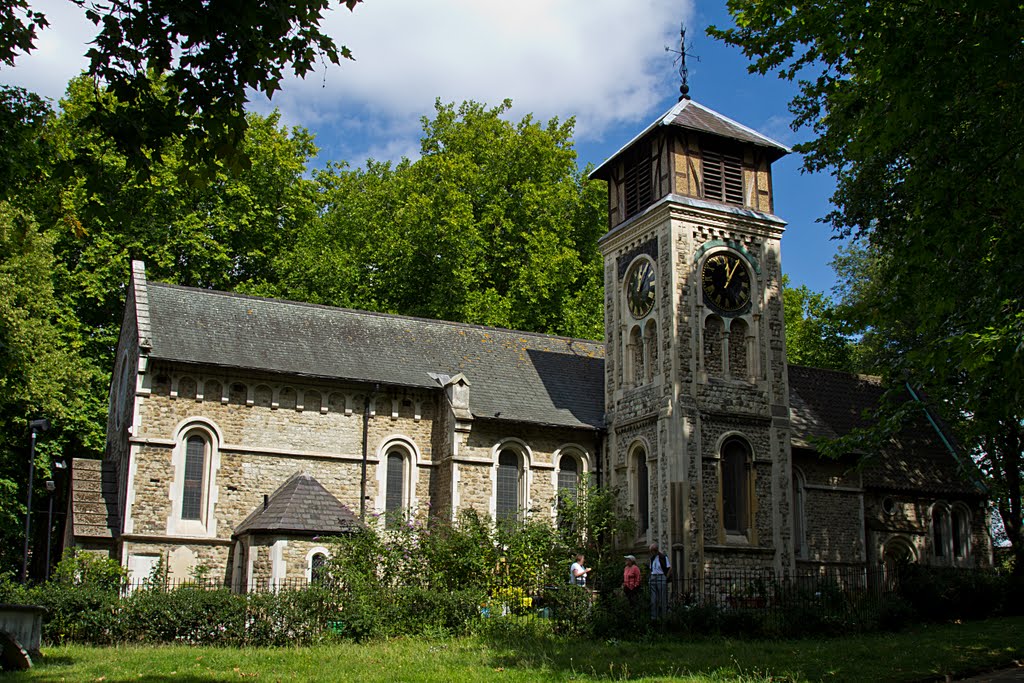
{"x": 366, "y": 430}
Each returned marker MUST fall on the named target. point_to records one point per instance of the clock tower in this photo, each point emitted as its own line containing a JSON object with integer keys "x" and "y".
{"x": 696, "y": 395}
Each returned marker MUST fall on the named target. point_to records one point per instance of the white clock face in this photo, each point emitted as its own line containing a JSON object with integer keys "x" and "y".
{"x": 640, "y": 289}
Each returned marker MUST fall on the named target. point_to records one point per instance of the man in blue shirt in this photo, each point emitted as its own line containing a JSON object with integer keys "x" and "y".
{"x": 660, "y": 572}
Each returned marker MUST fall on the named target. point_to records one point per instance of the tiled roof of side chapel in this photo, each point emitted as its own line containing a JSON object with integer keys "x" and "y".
{"x": 300, "y": 505}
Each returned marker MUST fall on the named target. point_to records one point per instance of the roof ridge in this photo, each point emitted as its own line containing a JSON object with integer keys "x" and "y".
{"x": 376, "y": 314}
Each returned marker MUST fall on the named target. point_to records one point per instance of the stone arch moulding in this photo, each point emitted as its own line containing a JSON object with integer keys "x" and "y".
{"x": 734, "y": 434}
{"x": 712, "y": 245}
{"x": 516, "y": 444}
{"x": 190, "y": 423}
{"x": 569, "y": 448}
{"x": 899, "y": 547}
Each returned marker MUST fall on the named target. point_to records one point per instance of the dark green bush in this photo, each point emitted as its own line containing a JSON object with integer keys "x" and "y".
{"x": 570, "y": 610}
{"x": 945, "y": 593}
{"x": 419, "y": 610}
{"x": 189, "y": 615}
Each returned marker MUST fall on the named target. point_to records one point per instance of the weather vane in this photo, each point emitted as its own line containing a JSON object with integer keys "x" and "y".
{"x": 681, "y": 55}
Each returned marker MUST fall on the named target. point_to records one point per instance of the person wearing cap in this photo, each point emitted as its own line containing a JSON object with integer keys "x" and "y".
{"x": 631, "y": 579}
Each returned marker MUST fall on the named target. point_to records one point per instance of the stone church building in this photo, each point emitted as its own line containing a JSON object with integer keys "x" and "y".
{"x": 243, "y": 431}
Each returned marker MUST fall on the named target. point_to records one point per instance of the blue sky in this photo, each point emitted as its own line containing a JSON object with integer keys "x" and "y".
{"x": 600, "y": 61}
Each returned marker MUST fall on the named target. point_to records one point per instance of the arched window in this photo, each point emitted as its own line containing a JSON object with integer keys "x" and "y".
{"x": 735, "y": 465}
{"x": 396, "y": 474}
{"x": 738, "y": 362}
{"x": 195, "y": 462}
{"x": 568, "y": 476}
{"x": 961, "y": 531}
{"x": 317, "y": 568}
{"x": 651, "y": 350}
{"x": 394, "y": 486}
{"x": 940, "y": 530}
{"x": 714, "y": 330}
{"x": 641, "y": 486}
{"x": 636, "y": 360}
{"x": 197, "y": 449}
{"x": 799, "y": 515}
{"x": 509, "y": 486}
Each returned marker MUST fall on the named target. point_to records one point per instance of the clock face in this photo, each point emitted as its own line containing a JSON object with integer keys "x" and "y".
{"x": 640, "y": 288}
{"x": 726, "y": 282}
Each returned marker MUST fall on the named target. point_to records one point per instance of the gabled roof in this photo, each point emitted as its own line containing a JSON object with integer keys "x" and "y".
{"x": 517, "y": 376}
{"x": 300, "y": 505}
{"x": 694, "y": 116}
{"x": 94, "y": 509}
{"x": 828, "y": 404}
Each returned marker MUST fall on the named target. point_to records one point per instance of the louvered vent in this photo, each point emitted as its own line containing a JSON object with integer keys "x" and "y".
{"x": 637, "y": 182}
{"x": 723, "y": 176}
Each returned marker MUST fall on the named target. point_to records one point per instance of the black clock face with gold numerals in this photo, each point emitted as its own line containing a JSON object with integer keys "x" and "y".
{"x": 726, "y": 282}
{"x": 640, "y": 289}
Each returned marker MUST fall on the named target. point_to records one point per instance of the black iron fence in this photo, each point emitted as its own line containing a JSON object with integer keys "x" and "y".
{"x": 825, "y": 591}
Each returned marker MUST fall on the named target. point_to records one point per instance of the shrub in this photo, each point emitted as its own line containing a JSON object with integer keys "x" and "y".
{"x": 184, "y": 615}
{"x": 944, "y": 593}
{"x": 570, "y": 610}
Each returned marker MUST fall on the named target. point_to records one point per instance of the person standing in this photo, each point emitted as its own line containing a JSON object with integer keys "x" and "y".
{"x": 578, "y": 573}
{"x": 631, "y": 580}
{"x": 660, "y": 572}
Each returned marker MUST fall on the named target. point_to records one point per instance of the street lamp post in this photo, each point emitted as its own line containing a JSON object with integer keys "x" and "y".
{"x": 35, "y": 427}
{"x": 50, "y": 488}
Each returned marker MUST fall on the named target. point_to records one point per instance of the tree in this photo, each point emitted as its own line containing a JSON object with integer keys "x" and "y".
{"x": 493, "y": 225}
{"x": 41, "y": 374}
{"x": 916, "y": 110}
{"x": 22, "y": 115}
{"x": 211, "y": 53}
{"x": 814, "y": 334}
{"x": 221, "y": 234}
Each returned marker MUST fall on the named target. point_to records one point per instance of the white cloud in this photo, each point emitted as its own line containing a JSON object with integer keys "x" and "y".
{"x": 602, "y": 61}
{"x": 60, "y": 51}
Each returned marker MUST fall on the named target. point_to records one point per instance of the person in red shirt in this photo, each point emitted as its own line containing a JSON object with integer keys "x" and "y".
{"x": 631, "y": 579}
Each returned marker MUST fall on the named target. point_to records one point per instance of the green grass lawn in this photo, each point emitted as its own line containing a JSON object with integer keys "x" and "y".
{"x": 918, "y": 654}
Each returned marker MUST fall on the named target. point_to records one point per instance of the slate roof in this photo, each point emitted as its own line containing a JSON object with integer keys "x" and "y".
{"x": 694, "y": 116}
{"x": 827, "y": 403}
{"x": 519, "y": 376}
{"x": 300, "y": 505}
{"x": 94, "y": 509}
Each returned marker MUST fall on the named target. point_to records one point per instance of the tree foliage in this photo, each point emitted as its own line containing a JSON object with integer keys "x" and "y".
{"x": 210, "y": 53}
{"x": 41, "y": 373}
{"x": 916, "y": 109}
{"x": 815, "y": 335}
{"x": 494, "y": 225}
